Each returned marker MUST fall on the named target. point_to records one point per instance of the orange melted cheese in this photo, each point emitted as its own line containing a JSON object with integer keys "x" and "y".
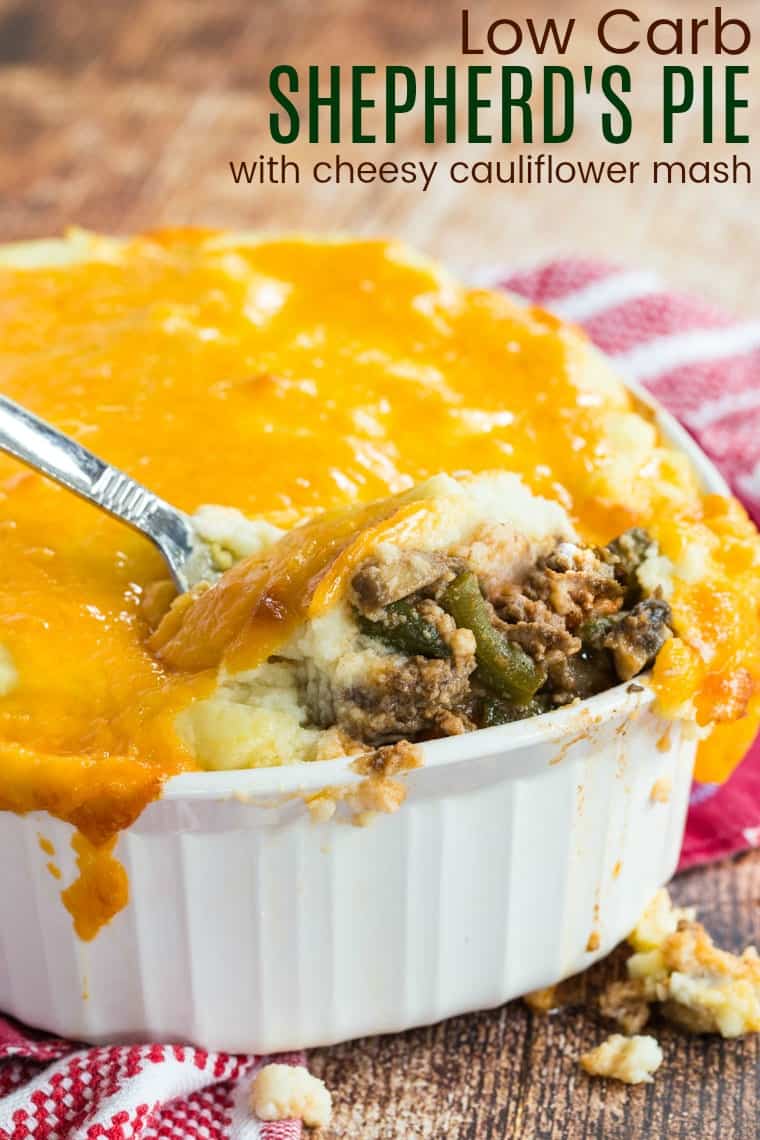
{"x": 286, "y": 378}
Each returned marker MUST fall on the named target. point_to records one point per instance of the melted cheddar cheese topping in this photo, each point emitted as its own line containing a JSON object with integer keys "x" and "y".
{"x": 287, "y": 378}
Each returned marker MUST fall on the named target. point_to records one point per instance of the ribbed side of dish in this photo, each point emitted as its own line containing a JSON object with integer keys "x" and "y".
{"x": 250, "y": 927}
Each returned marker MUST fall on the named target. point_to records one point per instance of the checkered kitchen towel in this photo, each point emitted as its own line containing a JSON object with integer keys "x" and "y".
{"x": 57, "y": 1090}
{"x": 705, "y": 368}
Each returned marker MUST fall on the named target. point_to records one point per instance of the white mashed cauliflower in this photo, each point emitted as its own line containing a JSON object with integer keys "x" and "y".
{"x": 231, "y": 535}
{"x": 286, "y": 1092}
{"x": 628, "y": 1059}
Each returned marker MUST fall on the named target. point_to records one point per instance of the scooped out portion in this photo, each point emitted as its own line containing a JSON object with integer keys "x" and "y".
{"x": 459, "y": 604}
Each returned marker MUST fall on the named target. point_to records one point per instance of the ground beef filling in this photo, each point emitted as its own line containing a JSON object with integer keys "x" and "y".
{"x": 452, "y": 657}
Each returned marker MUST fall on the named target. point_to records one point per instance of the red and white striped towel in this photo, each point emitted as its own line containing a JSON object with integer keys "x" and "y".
{"x": 705, "y": 368}
{"x": 56, "y": 1090}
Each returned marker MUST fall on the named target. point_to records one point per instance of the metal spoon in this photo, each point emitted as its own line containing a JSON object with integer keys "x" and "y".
{"x": 56, "y": 455}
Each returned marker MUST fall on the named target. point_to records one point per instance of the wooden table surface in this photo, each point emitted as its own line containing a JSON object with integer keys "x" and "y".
{"x": 121, "y": 116}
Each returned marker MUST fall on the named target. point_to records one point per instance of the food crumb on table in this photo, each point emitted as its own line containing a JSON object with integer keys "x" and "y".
{"x": 676, "y": 969}
{"x": 282, "y": 1092}
{"x": 628, "y": 1059}
{"x": 700, "y": 987}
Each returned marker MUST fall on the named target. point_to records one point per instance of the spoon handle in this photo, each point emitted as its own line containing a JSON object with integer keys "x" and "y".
{"x": 61, "y": 458}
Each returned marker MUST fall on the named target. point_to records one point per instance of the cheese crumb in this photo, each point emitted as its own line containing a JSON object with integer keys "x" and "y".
{"x": 661, "y": 789}
{"x": 542, "y": 1001}
{"x": 283, "y": 1092}
{"x": 628, "y": 1059}
{"x": 321, "y": 807}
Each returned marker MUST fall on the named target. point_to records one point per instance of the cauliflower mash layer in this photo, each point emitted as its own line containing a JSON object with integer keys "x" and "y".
{"x": 460, "y": 604}
{"x": 286, "y": 378}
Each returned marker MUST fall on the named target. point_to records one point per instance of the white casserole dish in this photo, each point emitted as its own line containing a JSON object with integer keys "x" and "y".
{"x": 522, "y": 854}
